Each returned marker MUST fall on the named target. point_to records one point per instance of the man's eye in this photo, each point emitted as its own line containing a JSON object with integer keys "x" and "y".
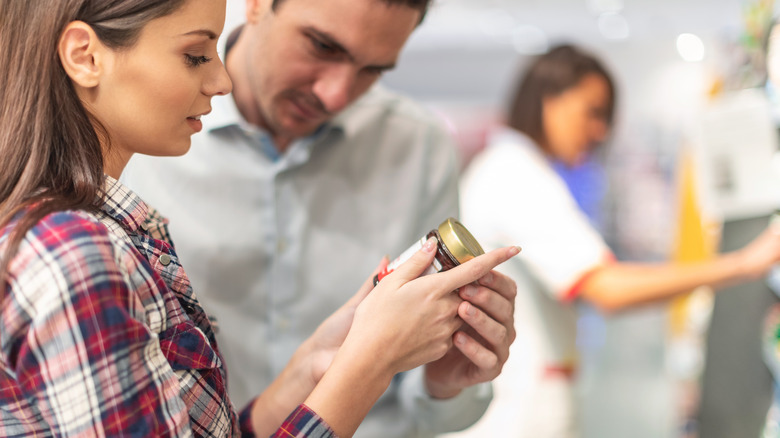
{"x": 194, "y": 61}
{"x": 322, "y": 47}
{"x": 375, "y": 71}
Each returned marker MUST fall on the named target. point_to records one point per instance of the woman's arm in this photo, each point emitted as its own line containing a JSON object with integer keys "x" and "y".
{"x": 620, "y": 285}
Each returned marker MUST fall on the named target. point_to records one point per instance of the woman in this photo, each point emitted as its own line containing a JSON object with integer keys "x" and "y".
{"x": 101, "y": 333}
{"x": 562, "y": 110}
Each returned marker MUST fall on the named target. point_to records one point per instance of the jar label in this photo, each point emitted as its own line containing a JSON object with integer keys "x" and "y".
{"x": 406, "y": 255}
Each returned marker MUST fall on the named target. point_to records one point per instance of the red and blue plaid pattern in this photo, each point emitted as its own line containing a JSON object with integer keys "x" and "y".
{"x": 101, "y": 334}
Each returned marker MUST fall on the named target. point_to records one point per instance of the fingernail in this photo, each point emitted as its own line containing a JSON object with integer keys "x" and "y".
{"x": 487, "y": 279}
{"x": 460, "y": 339}
{"x": 430, "y": 244}
{"x": 470, "y": 310}
{"x": 468, "y": 291}
{"x": 515, "y": 250}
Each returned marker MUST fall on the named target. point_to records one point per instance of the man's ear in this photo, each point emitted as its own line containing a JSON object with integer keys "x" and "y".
{"x": 81, "y": 53}
{"x": 255, "y": 9}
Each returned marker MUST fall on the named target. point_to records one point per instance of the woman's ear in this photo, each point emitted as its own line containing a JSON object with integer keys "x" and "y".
{"x": 80, "y": 53}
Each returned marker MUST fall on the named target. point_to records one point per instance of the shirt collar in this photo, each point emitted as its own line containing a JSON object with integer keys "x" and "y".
{"x": 123, "y": 205}
{"x": 349, "y": 121}
{"x": 226, "y": 115}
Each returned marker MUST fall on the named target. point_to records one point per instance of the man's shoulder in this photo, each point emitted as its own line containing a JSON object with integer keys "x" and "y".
{"x": 381, "y": 105}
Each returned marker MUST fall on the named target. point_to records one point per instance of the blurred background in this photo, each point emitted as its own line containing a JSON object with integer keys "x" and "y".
{"x": 691, "y": 169}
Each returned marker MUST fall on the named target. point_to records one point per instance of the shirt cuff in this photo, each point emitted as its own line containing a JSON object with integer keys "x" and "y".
{"x": 245, "y": 421}
{"x": 303, "y": 422}
{"x": 443, "y": 415}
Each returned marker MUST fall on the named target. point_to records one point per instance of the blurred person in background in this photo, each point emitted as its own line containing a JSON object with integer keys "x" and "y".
{"x": 562, "y": 110}
{"x": 303, "y": 178}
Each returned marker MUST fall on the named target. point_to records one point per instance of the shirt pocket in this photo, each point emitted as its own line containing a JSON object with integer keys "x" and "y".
{"x": 186, "y": 347}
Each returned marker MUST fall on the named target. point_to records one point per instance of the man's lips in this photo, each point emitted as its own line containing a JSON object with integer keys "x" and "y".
{"x": 305, "y": 110}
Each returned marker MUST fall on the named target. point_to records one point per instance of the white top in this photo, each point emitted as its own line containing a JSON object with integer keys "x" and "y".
{"x": 510, "y": 195}
{"x": 274, "y": 244}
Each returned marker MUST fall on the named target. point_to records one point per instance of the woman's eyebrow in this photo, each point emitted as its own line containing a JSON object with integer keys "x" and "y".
{"x": 205, "y": 32}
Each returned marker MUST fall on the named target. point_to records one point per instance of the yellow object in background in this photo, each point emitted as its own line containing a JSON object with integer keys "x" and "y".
{"x": 696, "y": 241}
{"x": 689, "y": 314}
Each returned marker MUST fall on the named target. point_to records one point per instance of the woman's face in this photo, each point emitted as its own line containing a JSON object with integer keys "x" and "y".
{"x": 575, "y": 121}
{"x": 152, "y": 95}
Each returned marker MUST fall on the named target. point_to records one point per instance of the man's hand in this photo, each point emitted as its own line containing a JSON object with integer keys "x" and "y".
{"x": 481, "y": 347}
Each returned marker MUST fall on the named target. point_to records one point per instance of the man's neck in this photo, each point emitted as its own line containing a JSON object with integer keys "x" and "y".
{"x": 236, "y": 66}
{"x": 282, "y": 143}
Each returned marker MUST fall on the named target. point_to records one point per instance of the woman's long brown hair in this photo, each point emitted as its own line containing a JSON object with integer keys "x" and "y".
{"x": 51, "y": 157}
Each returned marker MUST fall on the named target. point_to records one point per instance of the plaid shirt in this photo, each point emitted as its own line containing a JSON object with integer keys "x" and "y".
{"x": 102, "y": 335}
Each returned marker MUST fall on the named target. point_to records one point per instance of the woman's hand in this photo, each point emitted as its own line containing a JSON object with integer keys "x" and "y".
{"x": 756, "y": 258}
{"x": 413, "y": 319}
{"x": 405, "y": 322}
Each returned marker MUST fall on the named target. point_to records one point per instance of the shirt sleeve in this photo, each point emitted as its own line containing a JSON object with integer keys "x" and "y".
{"x": 434, "y": 416}
{"x": 81, "y": 351}
{"x": 511, "y": 196}
{"x": 302, "y": 422}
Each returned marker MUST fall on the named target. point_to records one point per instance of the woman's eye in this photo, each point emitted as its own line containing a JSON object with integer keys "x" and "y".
{"x": 194, "y": 61}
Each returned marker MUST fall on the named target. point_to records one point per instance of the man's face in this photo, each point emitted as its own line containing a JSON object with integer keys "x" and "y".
{"x": 311, "y": 58}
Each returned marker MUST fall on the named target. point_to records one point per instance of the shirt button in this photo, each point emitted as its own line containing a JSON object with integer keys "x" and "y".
{"x": 165, "y": 259}
{"x": 281, "y": 245}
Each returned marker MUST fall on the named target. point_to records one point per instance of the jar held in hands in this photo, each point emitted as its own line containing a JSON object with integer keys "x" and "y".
{"x": 455, "y": 245}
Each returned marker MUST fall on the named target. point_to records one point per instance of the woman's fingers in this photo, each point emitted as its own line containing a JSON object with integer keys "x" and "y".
{"x": 418, "y": 263}
{"x": 472, "y": 270}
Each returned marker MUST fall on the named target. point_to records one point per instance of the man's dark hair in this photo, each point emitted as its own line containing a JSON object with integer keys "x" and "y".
{"x": 421, "y": 5}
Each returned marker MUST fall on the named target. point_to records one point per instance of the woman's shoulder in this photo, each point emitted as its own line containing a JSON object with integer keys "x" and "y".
{"x": 64, "y": 241}
{"x": 62, "y": 227}
{"x": 510, "y": 157}
{"x": 63, "y": 258}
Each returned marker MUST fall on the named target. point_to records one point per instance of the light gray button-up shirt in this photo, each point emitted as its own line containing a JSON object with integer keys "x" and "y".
{"x": 274, "y": 243}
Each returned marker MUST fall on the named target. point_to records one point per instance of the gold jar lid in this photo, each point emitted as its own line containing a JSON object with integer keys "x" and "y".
{"x": 459, "y": 241}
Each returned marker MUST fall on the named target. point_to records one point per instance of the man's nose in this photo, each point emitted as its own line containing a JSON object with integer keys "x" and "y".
{"x": 334, "y": 88}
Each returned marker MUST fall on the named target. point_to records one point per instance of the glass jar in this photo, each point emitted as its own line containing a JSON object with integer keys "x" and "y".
{"x": 455, "y": 245}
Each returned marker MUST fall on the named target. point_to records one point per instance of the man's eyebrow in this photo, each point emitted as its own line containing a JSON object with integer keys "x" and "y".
{"x": 329, "y": 40}
{"x": 204, "y": 32}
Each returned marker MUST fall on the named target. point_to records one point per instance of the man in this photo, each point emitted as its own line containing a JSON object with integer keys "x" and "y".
{"x": 302, "y": 181}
